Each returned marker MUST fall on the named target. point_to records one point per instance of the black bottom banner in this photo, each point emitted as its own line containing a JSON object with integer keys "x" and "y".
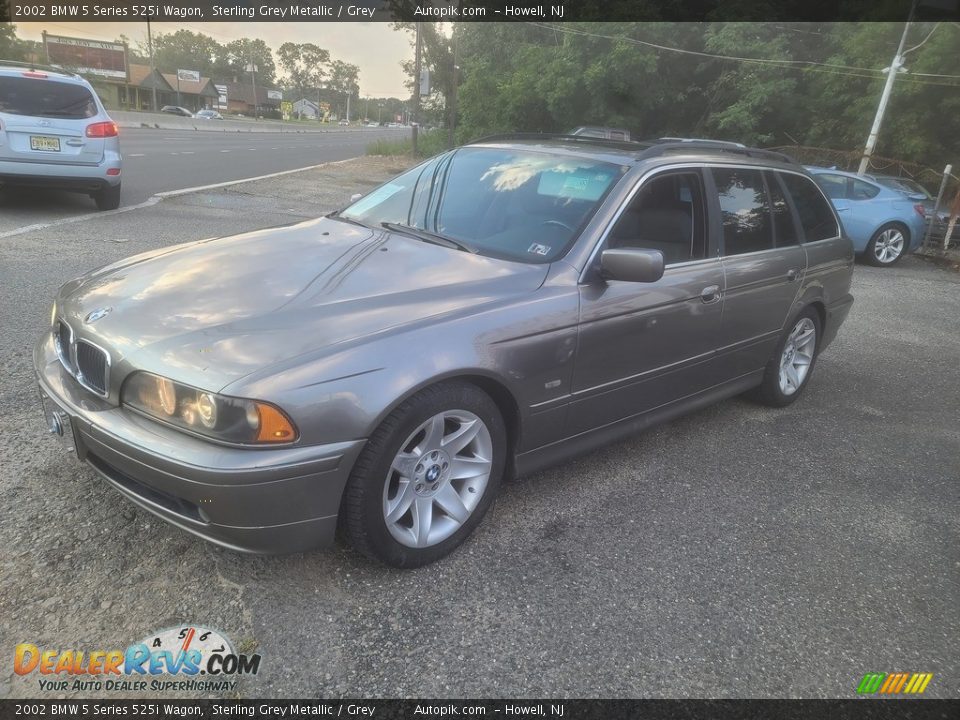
{"x": 498, "y": 709}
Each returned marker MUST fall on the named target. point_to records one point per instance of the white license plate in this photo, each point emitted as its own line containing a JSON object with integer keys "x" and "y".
{"x": 44, "y": 143}
{"x": 58, "y": 422}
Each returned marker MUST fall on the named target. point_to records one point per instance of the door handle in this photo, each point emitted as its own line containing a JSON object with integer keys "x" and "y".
{"x": 792, "y": 274}
{"x": 846, "y": 209}
{"x": 710, "y": 294}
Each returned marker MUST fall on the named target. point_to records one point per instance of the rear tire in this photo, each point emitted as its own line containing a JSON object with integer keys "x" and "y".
{"x": 426, "y": 477}
{"x": 108, "y": 198}
{"x": 888, "y": 244}
{"x": 789, "y": 369}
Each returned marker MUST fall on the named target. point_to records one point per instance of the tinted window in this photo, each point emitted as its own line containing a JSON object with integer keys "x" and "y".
{"x": 835, "y": 186}
{"x": 516, "y": 204}
{"x": 45, "y": 98}
{"x": 784, "y": 231}
{"x": 744, "y": 210}
{"x": 816, "y": 217}
{"x": 667, "y": 214}
{"x": 860, "y": 190}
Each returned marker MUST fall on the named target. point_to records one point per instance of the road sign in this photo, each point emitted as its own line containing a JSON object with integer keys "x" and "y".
{"x": 188, "y": 76}
{"x": 90, "y": 57}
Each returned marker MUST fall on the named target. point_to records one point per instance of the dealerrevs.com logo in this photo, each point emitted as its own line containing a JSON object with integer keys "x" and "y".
{"x": 894, "y": 683}
{"x": 171, "y": 659}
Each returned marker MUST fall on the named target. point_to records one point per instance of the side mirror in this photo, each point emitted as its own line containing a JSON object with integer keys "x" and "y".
{"x": 631, "y": 265}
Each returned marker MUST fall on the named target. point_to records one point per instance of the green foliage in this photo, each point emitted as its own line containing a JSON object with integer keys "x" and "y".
{"x": 10, "y": 47}
{"x": 305, "y": 65}
{"x": 429, "y": 143}
{"x": 526, "y": 77}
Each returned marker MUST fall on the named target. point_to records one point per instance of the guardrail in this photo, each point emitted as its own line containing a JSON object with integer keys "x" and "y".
{"x": 164, "y": 121}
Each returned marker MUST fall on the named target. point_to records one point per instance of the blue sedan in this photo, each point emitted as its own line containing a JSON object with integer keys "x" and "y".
{"x": 883, "y": 223}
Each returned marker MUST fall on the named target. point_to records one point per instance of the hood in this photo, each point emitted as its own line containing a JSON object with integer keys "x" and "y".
{"x": 211, "y": 312}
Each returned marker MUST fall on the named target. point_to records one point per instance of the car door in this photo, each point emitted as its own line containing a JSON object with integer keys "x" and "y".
{"x": 763, "y": 264}
{"x": 643, "y": 345}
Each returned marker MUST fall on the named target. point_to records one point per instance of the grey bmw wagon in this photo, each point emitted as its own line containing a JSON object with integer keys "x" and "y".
{"x": 495, "y": 310}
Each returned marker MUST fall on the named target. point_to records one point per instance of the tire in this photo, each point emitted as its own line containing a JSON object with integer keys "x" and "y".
{"x": 412, "y": 463}
{"x": 777, "y": 391}
{"x": 888, "y": 244}
{"x": 108, "y": 198}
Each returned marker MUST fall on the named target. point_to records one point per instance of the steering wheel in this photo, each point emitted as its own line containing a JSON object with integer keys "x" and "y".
{"x": 557, "y": 222}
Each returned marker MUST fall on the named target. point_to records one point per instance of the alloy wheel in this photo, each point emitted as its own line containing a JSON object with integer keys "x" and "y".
{"x": 437, "y": 478}
{"x": 797, "y": 356}
{"x": 889, "y": 245}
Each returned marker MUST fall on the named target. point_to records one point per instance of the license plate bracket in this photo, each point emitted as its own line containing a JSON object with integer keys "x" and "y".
{"x": 44, "y": 143}
{"x": 58, "y": 422}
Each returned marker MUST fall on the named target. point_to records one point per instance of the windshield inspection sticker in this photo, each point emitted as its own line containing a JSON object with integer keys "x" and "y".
{"x": 538, "y": 249}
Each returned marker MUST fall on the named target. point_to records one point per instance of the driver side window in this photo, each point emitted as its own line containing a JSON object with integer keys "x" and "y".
{"x": 667, "y": 214}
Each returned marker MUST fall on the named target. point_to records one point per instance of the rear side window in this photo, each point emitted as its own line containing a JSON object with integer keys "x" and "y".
{"x": 45, "y": 98}
{"x": 816, "y": 217}
{"x": 860, "y": 190}
{"x": 744, "y": 210}
{"x": 835, "y": 186}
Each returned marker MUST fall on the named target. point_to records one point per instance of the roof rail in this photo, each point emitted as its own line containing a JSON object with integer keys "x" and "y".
{"x": 37, "y": 66}
{"x": 622, "y": 144}
{"x": 665, "y": 146}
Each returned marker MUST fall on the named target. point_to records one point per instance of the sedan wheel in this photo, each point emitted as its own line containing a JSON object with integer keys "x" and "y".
{"x": 887, "y": 246}
{"x": 437, "y": 479}
{"x": 797, "y": 356}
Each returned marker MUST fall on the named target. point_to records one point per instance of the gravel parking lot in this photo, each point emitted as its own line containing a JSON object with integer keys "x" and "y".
{"x": 738, "y": 552}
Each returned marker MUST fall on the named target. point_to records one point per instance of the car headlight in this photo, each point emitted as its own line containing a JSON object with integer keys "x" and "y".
{"x": 228, "y": 419}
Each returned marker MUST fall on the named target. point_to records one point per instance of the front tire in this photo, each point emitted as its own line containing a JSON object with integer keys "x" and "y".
{"x": 426, "y": 477}
{"x": 108, "y": 198}
{"x": 789, "y": 370}
{"x": 888, "y": 245}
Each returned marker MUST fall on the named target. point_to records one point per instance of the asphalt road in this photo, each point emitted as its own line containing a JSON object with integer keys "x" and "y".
{"x": 158, "y": 160}
{"x": 740, "y": 551}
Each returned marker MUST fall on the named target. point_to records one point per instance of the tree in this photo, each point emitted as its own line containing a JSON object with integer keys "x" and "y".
{"x": 187, "y": 50}
{"x": 344, "y": 79}
{"x": 11, "y": 47}
{"x": 237, "y": 55}
{"x": 305, "y": 65}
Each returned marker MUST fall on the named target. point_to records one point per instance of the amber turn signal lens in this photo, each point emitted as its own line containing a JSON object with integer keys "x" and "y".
{"x": 274, "y": 425}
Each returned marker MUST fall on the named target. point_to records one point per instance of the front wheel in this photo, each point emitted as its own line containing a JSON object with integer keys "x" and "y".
{"x": 426, "y": 477}
{"x": 788, "y": 371}
{"x": 887, "y": 245}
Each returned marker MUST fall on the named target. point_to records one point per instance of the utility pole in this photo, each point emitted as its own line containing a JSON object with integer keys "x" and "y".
{"x": 885, "y": 96}
{"x": 153, "y": 69}
{"x": 416, "y": 92}
{"x": 253, "y": 79}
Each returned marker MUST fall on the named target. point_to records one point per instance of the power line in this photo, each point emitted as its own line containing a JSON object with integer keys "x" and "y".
{"x": 806, "y": 65}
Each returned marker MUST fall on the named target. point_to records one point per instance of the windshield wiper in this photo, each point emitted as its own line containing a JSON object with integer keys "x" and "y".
{"x": 428, "y": 236}
{"x": 335, "y": 215}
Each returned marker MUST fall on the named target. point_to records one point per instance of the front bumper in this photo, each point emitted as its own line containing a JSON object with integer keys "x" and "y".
{"x": 272, "y": 500}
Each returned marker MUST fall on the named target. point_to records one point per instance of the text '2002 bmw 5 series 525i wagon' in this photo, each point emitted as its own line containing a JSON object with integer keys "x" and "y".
{"x": 494, "y": 310}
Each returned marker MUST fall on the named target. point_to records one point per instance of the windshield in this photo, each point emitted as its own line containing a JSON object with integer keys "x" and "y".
{"x": 45, "y": 98}
{"x": 514, "y": 204}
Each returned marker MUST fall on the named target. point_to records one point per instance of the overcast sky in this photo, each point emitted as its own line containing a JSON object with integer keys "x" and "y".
{"x": 374, "y": 47}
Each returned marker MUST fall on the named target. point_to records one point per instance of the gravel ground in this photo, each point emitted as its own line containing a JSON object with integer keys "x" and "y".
{"x": 737, "y": 552}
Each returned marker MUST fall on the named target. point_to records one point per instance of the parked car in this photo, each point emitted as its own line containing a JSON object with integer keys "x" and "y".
{"x": 607, "y": 133}
{"x": 917, "y": 192}
{"x": 344, "y": 122}
{"x": 55, "y": 133}
{"x": 209, "y": 115}
{"x": 882, "y": 222}
{"x": 176, "y": 110}
{"x": 495, "y": 310}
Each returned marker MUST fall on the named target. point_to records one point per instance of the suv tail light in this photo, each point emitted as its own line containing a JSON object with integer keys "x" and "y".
{"x": 102, "y": 130}
{"x": 921, "y": 210}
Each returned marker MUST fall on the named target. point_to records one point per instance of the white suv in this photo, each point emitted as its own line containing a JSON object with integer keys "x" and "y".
{"x": 55, "y": 132}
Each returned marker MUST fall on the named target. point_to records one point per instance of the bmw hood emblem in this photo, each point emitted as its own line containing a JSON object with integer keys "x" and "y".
{"x": 95, "y": 315}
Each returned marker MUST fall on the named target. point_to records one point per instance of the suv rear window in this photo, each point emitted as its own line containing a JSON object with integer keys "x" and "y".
{"x": 45, "y": 98}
